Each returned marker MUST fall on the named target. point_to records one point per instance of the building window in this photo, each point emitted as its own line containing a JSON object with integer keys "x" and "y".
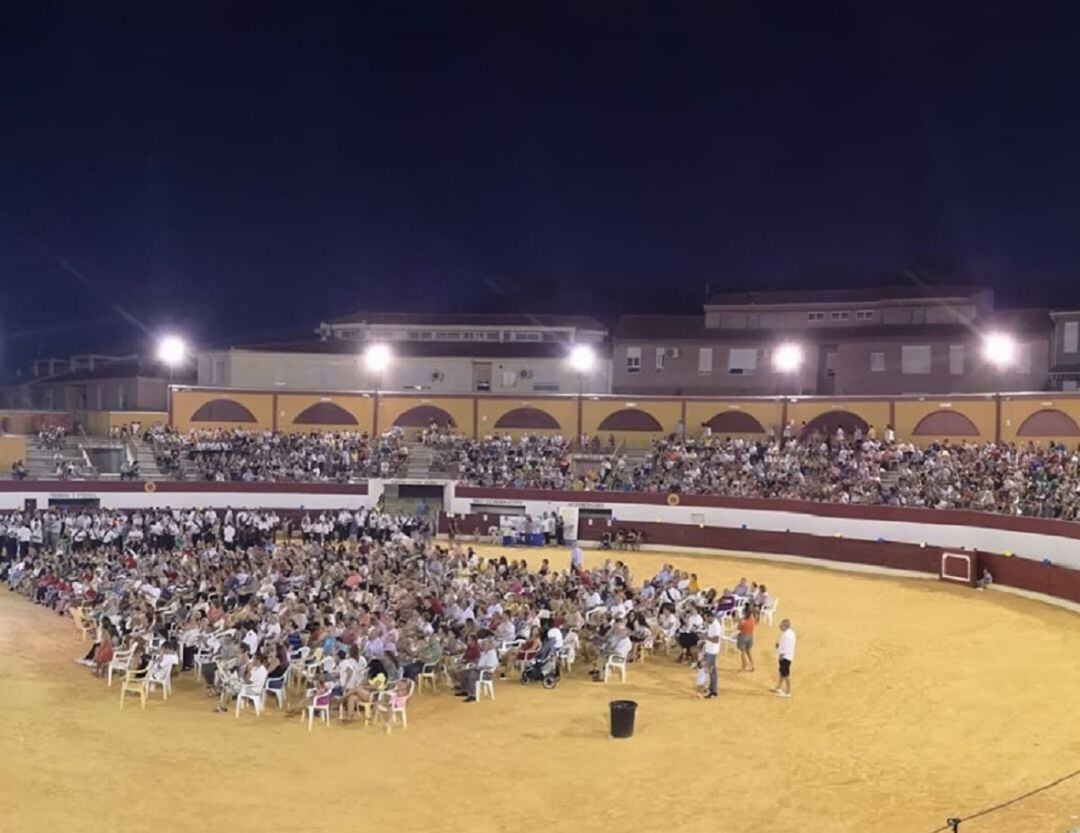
{"x": 877, "y": 362}
{"x": 840, "y": 315}
{"x": 864, "y": 315}
{"x": 742, "y": 360}
{"x": 546, "y": 387}
{"x": 704, "y": 360}
{"x": 1070, "y": 337}
{"x": 528, "y": 335}
{"x": 661, "y": 357}
{"x": 918, "y": 315}
{"x": 915, "y": 359}
{"x": 633, "y": 359}
{"x": 956, "y": 359}
{"x": 815, "y": 316}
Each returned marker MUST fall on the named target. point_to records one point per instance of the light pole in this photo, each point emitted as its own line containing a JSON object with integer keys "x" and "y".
{"x": 377, "y": 358}
{"x": 171, "y": 352}
{"x": 787, "y": 359}
{"x": 999, "y": 350}
{"x": 582, "y": 359}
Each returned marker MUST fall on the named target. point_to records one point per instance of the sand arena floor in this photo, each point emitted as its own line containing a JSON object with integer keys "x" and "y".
{"x": 913, "y": 701}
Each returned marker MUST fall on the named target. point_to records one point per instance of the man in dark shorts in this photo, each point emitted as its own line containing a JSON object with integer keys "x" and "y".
{"x": 785, "y": 650}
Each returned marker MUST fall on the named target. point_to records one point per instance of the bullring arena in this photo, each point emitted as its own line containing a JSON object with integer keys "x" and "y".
{"x": 915, "y": 700}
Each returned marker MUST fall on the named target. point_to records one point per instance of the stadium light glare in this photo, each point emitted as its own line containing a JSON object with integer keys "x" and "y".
{"x": 787, "y": 357}
{"x": 171, "y": 351}
{"x": 377, "y": 358}
{"x": 582, "y": 358}
{"x": 999, "y": 349}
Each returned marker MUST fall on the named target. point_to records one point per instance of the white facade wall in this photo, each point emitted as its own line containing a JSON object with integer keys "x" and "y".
{"x": 450, "y": 375}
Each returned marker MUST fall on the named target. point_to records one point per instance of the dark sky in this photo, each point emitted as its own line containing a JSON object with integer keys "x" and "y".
{"x": 240, "y": 171}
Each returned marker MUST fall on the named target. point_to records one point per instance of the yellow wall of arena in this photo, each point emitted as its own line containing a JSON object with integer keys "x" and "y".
{"x": 99, "y": 423}
{"x": 392, "y": 407}
{"x": 186, "y": 403}
{"x": 665, "y": 415}
{"x": 767, "y": 412}
{"x": 564, "y": 410}
{"x": 1015, "y": 412}
{"x": 874, "y": 411}
{"x": 291, "y": 406}
{"x": 12, "y": 448}
{"x": 980, "y": 411}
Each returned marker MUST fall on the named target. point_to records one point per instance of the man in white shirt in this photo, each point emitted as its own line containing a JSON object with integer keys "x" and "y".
{"x": 577, "y": 559}
{"x": 713, "y": 633}
{"x": 785, "y": 650}
{"x": 489, "y": 661}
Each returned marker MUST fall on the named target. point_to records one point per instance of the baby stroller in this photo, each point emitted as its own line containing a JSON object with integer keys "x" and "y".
{"x": 543, "y": 669}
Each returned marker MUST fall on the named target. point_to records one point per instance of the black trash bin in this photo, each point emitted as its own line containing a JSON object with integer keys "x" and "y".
{"x": 622, "y": 718}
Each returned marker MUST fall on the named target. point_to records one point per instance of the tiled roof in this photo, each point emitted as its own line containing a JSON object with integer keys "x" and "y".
{"x": 845, "y": 296}
{"x": 434, "y": 349}
{"x": 470, "y": 319}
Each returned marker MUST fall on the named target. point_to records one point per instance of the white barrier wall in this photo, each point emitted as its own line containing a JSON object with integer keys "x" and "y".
{"x": 1060, "y": 550}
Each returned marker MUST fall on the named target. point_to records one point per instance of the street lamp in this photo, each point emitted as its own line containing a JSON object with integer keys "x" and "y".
{"x": 171, "y": 352}
{"x": 999, "y": 349}
{"x": 377, "y": 358}
{"x": 582, "y": 360}
{"x": 788, "y": 357}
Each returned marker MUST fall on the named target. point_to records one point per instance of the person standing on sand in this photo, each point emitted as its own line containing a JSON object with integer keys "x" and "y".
{"x": 577, "y": 558}
{"x": 712, "y": 650}
{"x": 785, "y": 650}
{"x": 745, "y": 640}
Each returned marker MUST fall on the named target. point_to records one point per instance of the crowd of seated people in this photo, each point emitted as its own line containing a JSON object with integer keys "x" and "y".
{"x": 359, "y": 604}
{"x": 1009, "y": 478}
{"x": 533, "y": 461}
{"x": 52, "y": 437}
{"x": 239, "y": 455}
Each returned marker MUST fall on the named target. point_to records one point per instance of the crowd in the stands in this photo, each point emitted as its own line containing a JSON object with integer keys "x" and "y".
{"x": 238, "y": 455}
{"x": 859, "y": 468}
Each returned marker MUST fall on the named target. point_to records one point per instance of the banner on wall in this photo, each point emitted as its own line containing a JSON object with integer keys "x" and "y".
{"x": 569, "y": 515}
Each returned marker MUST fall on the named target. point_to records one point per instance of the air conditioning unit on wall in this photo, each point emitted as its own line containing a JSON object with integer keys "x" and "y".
{"x": 526, "y": 374}
{"x": 437, "y": 376}
{"x": 672, "y": 352}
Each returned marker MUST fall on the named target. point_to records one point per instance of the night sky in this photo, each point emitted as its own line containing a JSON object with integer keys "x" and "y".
{"x": 239, "y": 171}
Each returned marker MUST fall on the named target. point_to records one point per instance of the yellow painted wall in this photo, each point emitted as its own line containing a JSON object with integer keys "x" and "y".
{"x": 12, "y": 448}
{"x": 290, "y": 405}
{"x": 767, "y": 412}
{"x": 1014, "y": 411}
{"x": 667, "y": 412}
{"x": 187, "y": 402}
{"x": 979, "y": 411}
{"x": 460, "y": 408}
{"x": 874, "y": 411}
{"x": 562, "y": 409}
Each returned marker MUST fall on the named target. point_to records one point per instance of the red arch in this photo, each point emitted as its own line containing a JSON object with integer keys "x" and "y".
{"x": 422, "y": 416}
{"x": 532, "y": 418}
{"x": 630, "y": 419}
{"x": 1048, "y": 422}
{"x": 945, "y": 424}
{"x": 222, "y": 410}
{"x": 735, "y": 422}
{"x": 325, "y": 413}
{"x": 828, "y": 422}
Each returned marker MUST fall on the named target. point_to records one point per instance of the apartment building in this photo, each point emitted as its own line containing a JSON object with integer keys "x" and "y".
{"x": 442, "y": 353}
{"x": 888, "y": 340}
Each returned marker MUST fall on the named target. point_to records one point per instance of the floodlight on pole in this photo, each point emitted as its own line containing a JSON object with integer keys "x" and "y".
{"x": 171, "y": 351}
{"x": 582, "y": 358}
{"x": 787, "y": 357}
{"x": 999, "y": 349}
{"x": 377, "y": 358}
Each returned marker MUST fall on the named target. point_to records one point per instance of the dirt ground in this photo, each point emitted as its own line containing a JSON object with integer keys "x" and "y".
{"x": 913, "y": 701}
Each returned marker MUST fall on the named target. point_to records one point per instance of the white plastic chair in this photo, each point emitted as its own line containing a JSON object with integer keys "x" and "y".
{"x": 134, "y": 682}
{"x": 391, "y": 703}
{"x": 158, "y": 676}
{"x": 567, "y": 655}
{"x": 276, "y": 686}
{"x": 485, "y": 682}
{"x": 768, "y": 609}
{"x": 120, "y": 662}
{"x": 255, "y": 694}
{"x": 615, "y": 662}
{"x": 317, "y": 705}
{"x": 428, "y": 673}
